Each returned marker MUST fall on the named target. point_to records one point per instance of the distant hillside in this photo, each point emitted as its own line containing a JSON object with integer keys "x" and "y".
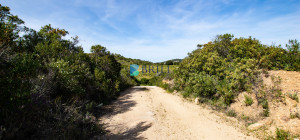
{"x": 127, "y": 61}
{"x": 171, "y": 62}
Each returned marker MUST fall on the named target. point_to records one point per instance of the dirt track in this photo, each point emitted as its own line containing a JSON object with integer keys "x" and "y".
{"x": 148, "y": 112}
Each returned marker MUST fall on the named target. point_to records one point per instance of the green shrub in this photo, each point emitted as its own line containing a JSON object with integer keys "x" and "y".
{"x": 228, "y": 98}
{"x": 248, "y": 100}
{"x": 226, "y": 66}
{"x": 170, "y": 90}
{"x": 244, "y": 117}
{"x": 265, "y": 105}
{"x": 49, "y": 86}
{"x": 282, "y": 134}
{"x": 217, "y": 104}
{"x": 294, "y": 96}
{"x": 187, "y": 92}
{"x": 202, "y": 85}
{"x": 69, "y": 76}
{"x": 231, "y": 113}
{"x": 144, "y": 81}
{"x": 266, "y": 112}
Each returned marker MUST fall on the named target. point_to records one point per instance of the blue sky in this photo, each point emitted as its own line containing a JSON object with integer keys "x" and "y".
{"x": 158, "y": 30}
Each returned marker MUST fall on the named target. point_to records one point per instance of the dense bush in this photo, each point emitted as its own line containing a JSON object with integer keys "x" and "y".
{"x": 49, "y": 86}
{"x": 144, "y": 81}
{"x": 224, "y": 67}
{"x": 202, "y": 84}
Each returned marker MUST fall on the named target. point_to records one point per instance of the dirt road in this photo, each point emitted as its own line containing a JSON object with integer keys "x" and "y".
{"x": 148, "y": 112}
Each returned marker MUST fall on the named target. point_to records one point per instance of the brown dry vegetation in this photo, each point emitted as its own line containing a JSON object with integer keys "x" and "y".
{"x": 283, "y": 110}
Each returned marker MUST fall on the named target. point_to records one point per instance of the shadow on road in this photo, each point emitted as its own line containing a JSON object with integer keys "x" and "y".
{"x": 130, "y": 134}
{"x": 122, "y": 104}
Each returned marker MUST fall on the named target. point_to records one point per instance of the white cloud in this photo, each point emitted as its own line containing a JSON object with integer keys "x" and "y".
{"x": 154, "y": 31}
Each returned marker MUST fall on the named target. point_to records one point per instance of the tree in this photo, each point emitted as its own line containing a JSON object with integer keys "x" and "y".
{"x": 169, "y": 62}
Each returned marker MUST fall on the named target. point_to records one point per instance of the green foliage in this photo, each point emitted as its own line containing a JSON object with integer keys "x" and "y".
{"x": 293, "y": 56}
{"x": 231, "y": 113}
{"x": 248, "y": 100}
{"x": 144, "y": 81}
{"x": 282, "y": 134}
{"x": 127, "y": 61}
{"x": 10, "y": 27}
{"x": 203, "y": 85}
{"x": 294, "y": 95}
{"x": 265, "y": 104}
{"x": 218, "y": 70}
{"x": 69, "y": 76}
{"x": 244, "y": 74}
{"x": 226, "y": 66}
{"x": 245, "y": 117}
{"x": 169, "y": 62}
{"x": 49, "y": 86}
{"x": 228, "y": 98}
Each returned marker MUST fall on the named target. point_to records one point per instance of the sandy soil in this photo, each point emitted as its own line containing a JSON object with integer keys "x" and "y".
{"x": 148, "y": 112}
{"x": 282, "y": 108}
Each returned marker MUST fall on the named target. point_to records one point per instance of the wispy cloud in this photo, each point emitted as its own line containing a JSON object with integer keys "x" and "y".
{"x": 161, "y": 30}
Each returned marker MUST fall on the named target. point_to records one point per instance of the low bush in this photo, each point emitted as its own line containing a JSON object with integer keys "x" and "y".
{"x": 282, "y": 134}
{"x": 231, "y": 113}
{"x": 293, "y": 95}
{"x": 144, "y": 81}
{"x": 248, "y": 100}
{"x": 264, "y": 103}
